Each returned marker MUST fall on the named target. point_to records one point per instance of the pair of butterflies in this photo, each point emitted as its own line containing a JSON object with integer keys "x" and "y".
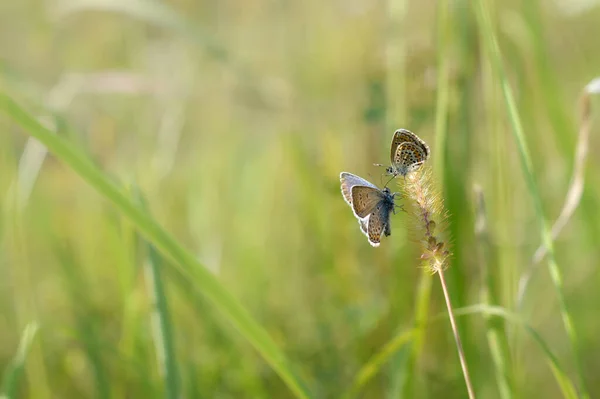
{"x": 371, "y": 205}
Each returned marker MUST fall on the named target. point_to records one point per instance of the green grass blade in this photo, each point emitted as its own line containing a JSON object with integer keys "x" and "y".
{"x": 12, "y": 374}
{"x": 493, "y": 53}
{"x": 496, "y": 331}
{"x": 442, "y": 79}
{"x": 423, "y": 299}
{"x": 558, "y": 112}
{"x": 567, "y": 387}
{"x": 374, "y": 365}
{"x": 87, "y": 331}
{"x": 163, "y": 337}
{"x": 164, "y": 242}
{"x": 161, "y": 316}
{"x": 396, "y": 55}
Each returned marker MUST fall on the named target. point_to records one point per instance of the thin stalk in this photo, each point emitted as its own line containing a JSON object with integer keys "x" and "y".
{"x": 459, "y": 348}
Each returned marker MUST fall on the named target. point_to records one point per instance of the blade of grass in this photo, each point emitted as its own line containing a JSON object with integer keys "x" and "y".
{"x": 87, "y": 331}
{"x": 566, "y": 385}
{"x": 575, "y": 191}
{"x": 395, "y": 58}
{"x": 194, "y": 385}
{"x": 162, "y": 324}
{"x": 552, "y": 97}
{"x": 443, "y": 84}
{"x": 151, "y": 230}
{"x": 12, "y": 374}
{"x": 376, "y": 362}
{"x": 493, "y": 53}
{"x": 496, "y": 336}
{"x": 423, "y": 300}
{"x": 161, "y": 316}
{"x": 24, "y": 297}
{"x": 373, "y": 366}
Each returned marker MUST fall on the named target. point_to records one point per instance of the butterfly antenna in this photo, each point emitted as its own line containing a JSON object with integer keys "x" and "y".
{"x": 388, "y": 182}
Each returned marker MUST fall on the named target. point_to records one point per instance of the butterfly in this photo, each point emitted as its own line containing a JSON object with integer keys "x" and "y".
{"x": 408, "y": 152}
{"x": 370, "y": 204}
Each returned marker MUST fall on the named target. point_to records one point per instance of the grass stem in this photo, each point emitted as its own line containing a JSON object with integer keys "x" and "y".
{"x": 459, "y": 348}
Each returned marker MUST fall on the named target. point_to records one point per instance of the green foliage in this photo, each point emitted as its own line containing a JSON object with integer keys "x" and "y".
{"x": 244, "y": 274}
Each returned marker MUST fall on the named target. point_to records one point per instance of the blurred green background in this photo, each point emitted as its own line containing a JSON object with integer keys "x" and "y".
{"x": 233, "y": 120}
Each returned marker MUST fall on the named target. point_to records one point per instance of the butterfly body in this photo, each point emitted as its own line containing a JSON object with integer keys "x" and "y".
{"x": 371, "y": 206}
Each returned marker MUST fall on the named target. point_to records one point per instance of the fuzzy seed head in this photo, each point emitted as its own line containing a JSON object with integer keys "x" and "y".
{"x": 428, "y": 216}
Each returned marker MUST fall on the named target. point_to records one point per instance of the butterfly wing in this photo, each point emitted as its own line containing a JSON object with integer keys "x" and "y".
{"x": 408, "y": 157}
{"x": 348, "y": 181}
{"x": 365, "y": 200}
{"x": 406, "y": 136}
{"x": 364, "y": 225}
{"x": 398, "y": 138}
{"x": 379, "y": 223}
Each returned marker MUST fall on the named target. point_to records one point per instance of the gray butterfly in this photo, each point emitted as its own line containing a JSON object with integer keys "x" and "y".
{"x": 371, "y": 206}
{"x": 407, "y": 153}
